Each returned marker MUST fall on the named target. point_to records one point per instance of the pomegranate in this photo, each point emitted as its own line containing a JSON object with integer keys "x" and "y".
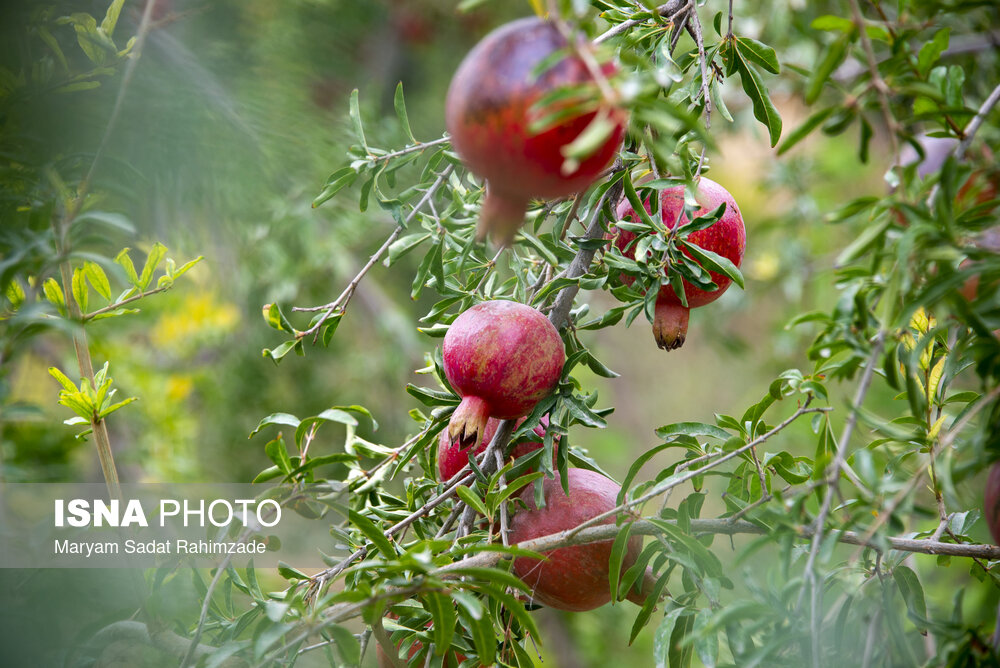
{"x": 452, "y": 457}
{"x": 503, "y": 358}
{"x": 572, "y": 578}
{"x": 488, "y": 112}
{"x": 991, "y": 502}
{"x": 726, "y": 237}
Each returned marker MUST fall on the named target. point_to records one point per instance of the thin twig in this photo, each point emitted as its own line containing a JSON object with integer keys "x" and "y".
{"x": 668, "y": 8}
{"x": 675, "y": 480}
{"x": 643, "y": 527}
{"x": 877, "y": 81}
{"x": 73, "y": 207}
{"x": 504, "y": 520}
{"x": 695, "y": 26}
{"x": 419, "y": 146}
{"x": 581, "y": 262}
{"x": 832, "y": 475}
{"x": 977, "y": 121}
{"x": 345, "y": 297}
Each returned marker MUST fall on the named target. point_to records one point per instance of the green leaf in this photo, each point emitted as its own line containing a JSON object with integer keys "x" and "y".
{"x": 706, "y": 643}
{"x": 80, "y": 292}
{"x": 373, "y": 533}
{"x": 514, "y": 486}
{"x": 443, "y": 627}
{"x": 106, "y": 411}
{"x": 340, "y": 179}
{"x": 347, "y": 644}
{"x": 482, "y": 636}
{"x": 53, "y": 293}
{"x": 156, "y": 255}
{"x": 863, "y": 242}
{"x": 618, "y": 550}
{"x": 583, "y": 414}
{"x": 493, "y": 575}
{"x": 98, "y": 279}
{"x": 278, "y": 453}
{"x": 931, "y": 51}
{"x": 177, "y": 273}
{"x": 404, "y": 245}
{"x": 835, "y": 55}
{"x": 913, "y": 593}
{"x": 662, "y": 648}
{"x": 759, "y": 53}
{"x": 400, "y": 104}
{"x": 714, "y": 262}
{"x": 283, "y": 349}
{"x": 125, "y": 262}
{"x": 588, "y": 141}
{"x": 63, "y": 379}
{"x": 801, "y": 132}
{"x": 763, "y": 109}
{"x": 111, "y": 17}
{"x": 286, "y": 419}
{"x": 692, "y": 429}
{"x": 290, "y": 573}
{"x": 831, "y": 22}
{"x": 355, "y": 113}
{"x": 473, "y": 501}
{"x": 275, "y": 319}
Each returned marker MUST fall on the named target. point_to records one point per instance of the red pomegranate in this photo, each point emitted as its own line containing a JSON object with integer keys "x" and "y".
{"x": 452, "y": 457}
{"x": 726, "y": 237}
{"x": 488, "y": 112}
{"x": 502, "y": 358}
{"x": 572, "y": 578}
{"x": 991, "y": 502}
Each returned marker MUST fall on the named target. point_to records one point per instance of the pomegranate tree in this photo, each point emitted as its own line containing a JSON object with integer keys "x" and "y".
{"x": 452, "y": 457}
{"x": 502, "y": 357}
{"x": 572, "y": 578}
{"x": 726, "y": 237}
{"x": 490, "y": 110}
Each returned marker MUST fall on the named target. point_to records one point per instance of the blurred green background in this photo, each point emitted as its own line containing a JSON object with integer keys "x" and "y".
{"x": 236, "y": 115}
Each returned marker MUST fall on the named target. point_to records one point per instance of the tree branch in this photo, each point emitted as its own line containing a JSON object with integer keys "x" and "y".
{"x": 345, "y": 296}
{"x": 668, "y": 8}
{"x": 644, "y": 527}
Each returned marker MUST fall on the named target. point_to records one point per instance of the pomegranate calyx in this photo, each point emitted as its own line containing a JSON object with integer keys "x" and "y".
{"x": 501, "y": 216}
{"x": 670, "y": 325}
{"x": 468, "y": 422}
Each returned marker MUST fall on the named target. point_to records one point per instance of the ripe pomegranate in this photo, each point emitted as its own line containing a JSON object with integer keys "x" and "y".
{"x": 452, "y": 457}
{"x": 991, "y": 502}
{"x": 502, "y": 357}
{"x": 488, "y": 112}
{"x": 726, "y": 237}
{"x": 451, "y": 659}
{"x": 572, "y": 578}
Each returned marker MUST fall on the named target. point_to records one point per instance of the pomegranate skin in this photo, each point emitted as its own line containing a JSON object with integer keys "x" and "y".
{"x": 726, "y": 237}
{"x": 488, "y": 115}
{"x": 502, "y": 357}
{"x": 572, "y": 578}
{"x": 991, "y": 502}
{"x": 452, "y": 457}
